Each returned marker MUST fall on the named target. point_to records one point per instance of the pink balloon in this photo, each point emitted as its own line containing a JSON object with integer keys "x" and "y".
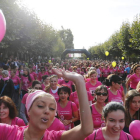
{"x": 2, "y": 25}
{"x": 134, "y": 129}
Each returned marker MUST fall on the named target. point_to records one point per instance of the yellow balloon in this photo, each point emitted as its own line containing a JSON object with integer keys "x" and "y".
{"x": 114, "y": 63}
{"x": 106, "y": 53}
{"x": 87, "y": 58}
{"x": 50, "y": 61}
{"x": 122, "y": 58}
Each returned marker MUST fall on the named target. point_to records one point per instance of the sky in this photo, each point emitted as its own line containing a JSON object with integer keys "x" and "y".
{"x": 91, "y": 21}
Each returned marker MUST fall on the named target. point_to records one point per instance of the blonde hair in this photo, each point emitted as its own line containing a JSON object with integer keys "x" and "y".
{"x": 92, "y": 72}
{"x": 48, "y": 87}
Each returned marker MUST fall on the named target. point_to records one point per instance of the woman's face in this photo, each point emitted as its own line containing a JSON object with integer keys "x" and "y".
{"x": 63, "y": 96}
{"x": 4, "y": 111}
{"x": 101, "y": 98}
{"x": 38, "y": 87}
{"x": 47, "y": 80}
{"x": 135, "y": 103}
{"x": 117, "y": 85}
{"x": 42, "y": 70}
{"x": 115, "y": 122}
{"x": 93, "y": 77}
{"x": 53, "y": 82}
{"x": 42, "y": 112}
{"x": 137, "y": 70}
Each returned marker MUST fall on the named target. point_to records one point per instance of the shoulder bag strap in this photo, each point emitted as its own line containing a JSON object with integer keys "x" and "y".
{"x": 3, "y": 89}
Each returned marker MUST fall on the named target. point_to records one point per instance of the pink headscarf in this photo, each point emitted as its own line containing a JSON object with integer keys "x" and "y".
{"x": 32, "y": 96}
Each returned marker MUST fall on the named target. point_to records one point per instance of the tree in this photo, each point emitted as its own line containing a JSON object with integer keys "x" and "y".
{"x": 67, "y": 37}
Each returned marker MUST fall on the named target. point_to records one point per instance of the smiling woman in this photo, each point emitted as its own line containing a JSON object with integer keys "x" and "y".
{"x": 114, "y": 115}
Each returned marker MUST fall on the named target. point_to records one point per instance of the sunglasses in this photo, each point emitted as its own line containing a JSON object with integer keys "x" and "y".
{"x": 119, "y": 83}
{"x": 38, "y": 87}
{"x": 103, "y": 94}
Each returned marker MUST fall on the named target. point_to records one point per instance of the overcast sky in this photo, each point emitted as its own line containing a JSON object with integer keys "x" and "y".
{"x": 91, "y": 21}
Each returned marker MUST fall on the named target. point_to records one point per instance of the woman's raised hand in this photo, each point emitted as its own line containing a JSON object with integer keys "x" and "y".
{"x": 72, "y": 76}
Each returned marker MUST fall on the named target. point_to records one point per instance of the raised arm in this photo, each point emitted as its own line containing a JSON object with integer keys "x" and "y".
{"x": 86, "y": 128}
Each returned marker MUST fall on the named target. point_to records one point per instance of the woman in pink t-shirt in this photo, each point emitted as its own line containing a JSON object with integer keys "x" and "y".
{"x": 74, "y": 98}
{"x": 41, "y": 109}
{"x": 26, "y": 81}
{"x": 114, "y": 93}
{"x": 105, "y": 72}
{"x": 8, "y": 112}
{"x": 67, "y": 110}
{"x": 114, "y": 115}
{"x": 42, "y": 73}
{"x": 16, "y": 81}
{"x": 132, "y": 107}
{"x": 52, "y": 88}
{"x": 93, "y": 83}
{"x": 134, "y": 78}
{"x": 46, "y": 81}
{"x": 101, "y": 98}
{"x": 33, "y": 73}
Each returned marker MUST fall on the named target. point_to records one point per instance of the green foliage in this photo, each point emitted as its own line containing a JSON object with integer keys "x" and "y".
{"x": 67, "y": 37}
{"x": 124, "y": 42}
{"x": 27, "y": 33}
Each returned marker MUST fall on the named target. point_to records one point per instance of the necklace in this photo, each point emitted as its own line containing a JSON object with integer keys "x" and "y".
{"x": 24, "y": 135}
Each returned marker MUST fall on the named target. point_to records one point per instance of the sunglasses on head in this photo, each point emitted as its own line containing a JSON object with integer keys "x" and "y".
{"x": 99, "y": 94}
{"x": 38, "y": 87}
{"x": 119, "y": 82}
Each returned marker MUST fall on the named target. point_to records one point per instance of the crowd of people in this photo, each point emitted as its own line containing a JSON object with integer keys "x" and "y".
{"x": 68, "y": 100}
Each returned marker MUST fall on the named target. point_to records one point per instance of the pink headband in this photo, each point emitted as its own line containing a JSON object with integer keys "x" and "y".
{"x": 32, "y": 96}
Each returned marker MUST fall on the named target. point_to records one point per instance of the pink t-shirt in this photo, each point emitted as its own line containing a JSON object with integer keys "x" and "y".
{"x": 57, "y": 125}
{"x": 69, "y": 84}
{"x": 111, "y": 70}
{"x": 43, "y": 87}
{"x": 105, "y": 72}
{"x": 24, "y": 98}
{"x": 115, "y": 98}
{"x": 17, "y": 121}
{"x": 16, "y": 80}
{"x": 74, "y": 98}
{"x": 26, "y": 83}
{"x": 41, "y": 74}
{"x": 50, "y": 72}
{"x": 97, "y": 118}
{"x": 134, "y": 81}
{"x": 17, "y": 73}
{"x": 91, "y": 88}
{"x": 34, "y": 75}
{"x": 24, "y": 102}
{"x": 66, "y": 113}
{"x": 98, "y": 135}
{"x": 15, "y": 132}
{"x": 55, "y": 95}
